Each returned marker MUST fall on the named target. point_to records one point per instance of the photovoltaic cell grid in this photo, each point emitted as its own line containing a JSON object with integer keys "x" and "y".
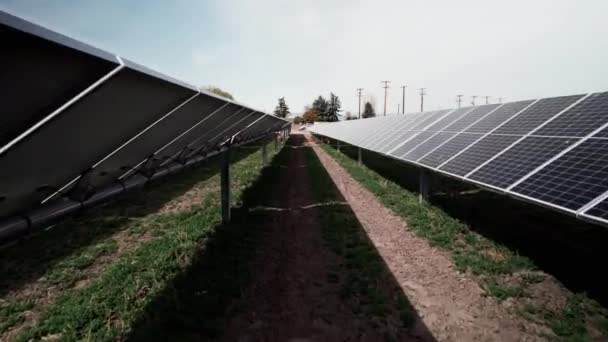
{"x": 572, "y": 180}
{"x": 477, "y": 154}
{"x": 470, "y": 118}
{"x": 85, "y": 115}
{"x": 520, "y": 160}
{"x": 412, "y": 143}
{"x": 428, "y": 146}
{"x": 537, "y": 114}
{"x": 580, "y": 120}
{"x": 449, "y": 149}
{"x": 447, "y": 120}
{"x": 600, "y": 210}
{"x": 498, "y": 116}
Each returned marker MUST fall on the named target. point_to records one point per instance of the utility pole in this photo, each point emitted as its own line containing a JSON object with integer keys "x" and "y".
{"x": 473, "y": 99}
{"x": 487, "y": 99}
{"x": 359, "y": 90}
{"x": 459, "y": 99}
{"x": 385, "y": 93}
{"x": 422, "y": 93}
{"x": 403, "y": 100}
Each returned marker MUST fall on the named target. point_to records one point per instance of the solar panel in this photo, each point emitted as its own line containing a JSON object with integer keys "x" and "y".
{"x": 401, "y": 137}
{"x": 600, "y": 210}
{"x": 497, "y": 117}
{"x": 449, "y": 149}
{"x": 572, "y": 180}
{"x": 39, "y": 75}
{"x": 412, "y": 143}
{"x": 83, "y": 134}
{"x": 581, "y": 119}
{"x": 537, "y": 114}
{"x": 428, "y": 118}
{"x": 428, "y": 146}
{"x": 403, "y": 124}
{"x": 148, "y": 142}
{"x": 478, "y": 153}
{"x": 520, "y": 159}
{"x": 448, "y": 119}
{"x": 470, "y": 118}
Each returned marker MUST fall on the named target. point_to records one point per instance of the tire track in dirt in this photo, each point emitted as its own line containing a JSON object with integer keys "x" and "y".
{"x": 451, "y": 304}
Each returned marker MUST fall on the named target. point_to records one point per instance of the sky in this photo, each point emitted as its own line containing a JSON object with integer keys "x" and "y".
{"x": 260, "y": 50}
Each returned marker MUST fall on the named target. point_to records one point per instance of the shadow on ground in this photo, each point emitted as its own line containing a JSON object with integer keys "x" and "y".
{"x": 571, "y": 250}
{"x": 29, "y": 259}
{"x": 217, "y": 286}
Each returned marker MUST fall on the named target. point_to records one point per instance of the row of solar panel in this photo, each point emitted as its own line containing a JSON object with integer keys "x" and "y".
{"x": 77, "y": 118}
{"x": 552, "y": 151}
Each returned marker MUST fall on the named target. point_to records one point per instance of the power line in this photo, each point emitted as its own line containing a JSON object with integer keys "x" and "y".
{"x": 385, "y": 93}
{"x": 422, "y": 93}
{"x": 403, "y": 100}
{"x": 459, "y": 99}
{"x": 359, "y": 90}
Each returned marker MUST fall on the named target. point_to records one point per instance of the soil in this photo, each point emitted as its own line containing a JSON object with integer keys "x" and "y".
{"x": 291, "y": 298}
{"x": 451, "y": 304}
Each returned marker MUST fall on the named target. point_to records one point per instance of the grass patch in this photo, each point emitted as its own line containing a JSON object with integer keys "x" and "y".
{"x": 488, "y": 260}
{"x": 154, "y": 275}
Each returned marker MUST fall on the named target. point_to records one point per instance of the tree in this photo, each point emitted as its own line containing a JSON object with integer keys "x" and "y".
{"x": 368, "y": 112}
{"x": 333, "y": 108}
{"x": 218, "y": 91}
{"x": 310, "y": 115}
{"x": 281, "y": 110}
{"x": 350, "y": 116}
{"x": 320, "y": 106}
{"x": 298, "y": 120}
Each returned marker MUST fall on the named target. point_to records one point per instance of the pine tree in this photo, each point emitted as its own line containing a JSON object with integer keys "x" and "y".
{"x": 368, "y": 111}
{"x": 333, "y": 108}
{"x": 281, "y": 110}
{"x": 319, "y": 106}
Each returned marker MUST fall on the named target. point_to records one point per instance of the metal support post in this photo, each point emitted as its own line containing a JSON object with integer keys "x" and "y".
{"x": 225, "y": 185}
{"x": 264, "y": 155}
{"x": 276, "y": 142}
{"x": 359, "y": 158}
{"x": 423, "y": 182}
{"x": 338, "y": 145}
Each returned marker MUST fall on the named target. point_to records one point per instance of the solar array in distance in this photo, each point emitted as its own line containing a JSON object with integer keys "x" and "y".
{"x": 76, "y": 118}
{"x": 551, "y": 151}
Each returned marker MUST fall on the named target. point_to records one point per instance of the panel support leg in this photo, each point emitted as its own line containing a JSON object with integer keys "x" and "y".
{"x": 338, "y": 145}
{"x": 264, "y": 155}
{"x": 359, "y": 157}
{"x": 423, "y": 182}
{"x": 276, "y": 142}
{"x": 225, "y": 185}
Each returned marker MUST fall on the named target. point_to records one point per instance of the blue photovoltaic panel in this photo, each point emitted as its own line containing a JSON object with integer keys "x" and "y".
{"x": 580, "y": 120}
{"x": 477, "y": 154}
{"x": 520, "y": 159}
{"x": 470, "y": 118}
{"x": 448, "y": 119}
{"x": 403, "y": 136}
{"x": 537, "y": 114}
{"x": 599, "y": 210}
{"x": 428, "y": 146}
{"x": 572, "y": 180}
{"x": 497, "y": 117}
{"x": 449, "y": 149}
{"x": 412, "y": 143}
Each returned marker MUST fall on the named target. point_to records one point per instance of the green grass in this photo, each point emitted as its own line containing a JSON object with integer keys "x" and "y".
{"x": 488, "y": 260}
{"x": 127, "y": 296}
{"x": 366, "y": 284}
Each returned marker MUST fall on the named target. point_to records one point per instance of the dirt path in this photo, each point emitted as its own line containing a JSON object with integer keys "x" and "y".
{"x": 452, "y": 305}
{"x": 291, "y": 298}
